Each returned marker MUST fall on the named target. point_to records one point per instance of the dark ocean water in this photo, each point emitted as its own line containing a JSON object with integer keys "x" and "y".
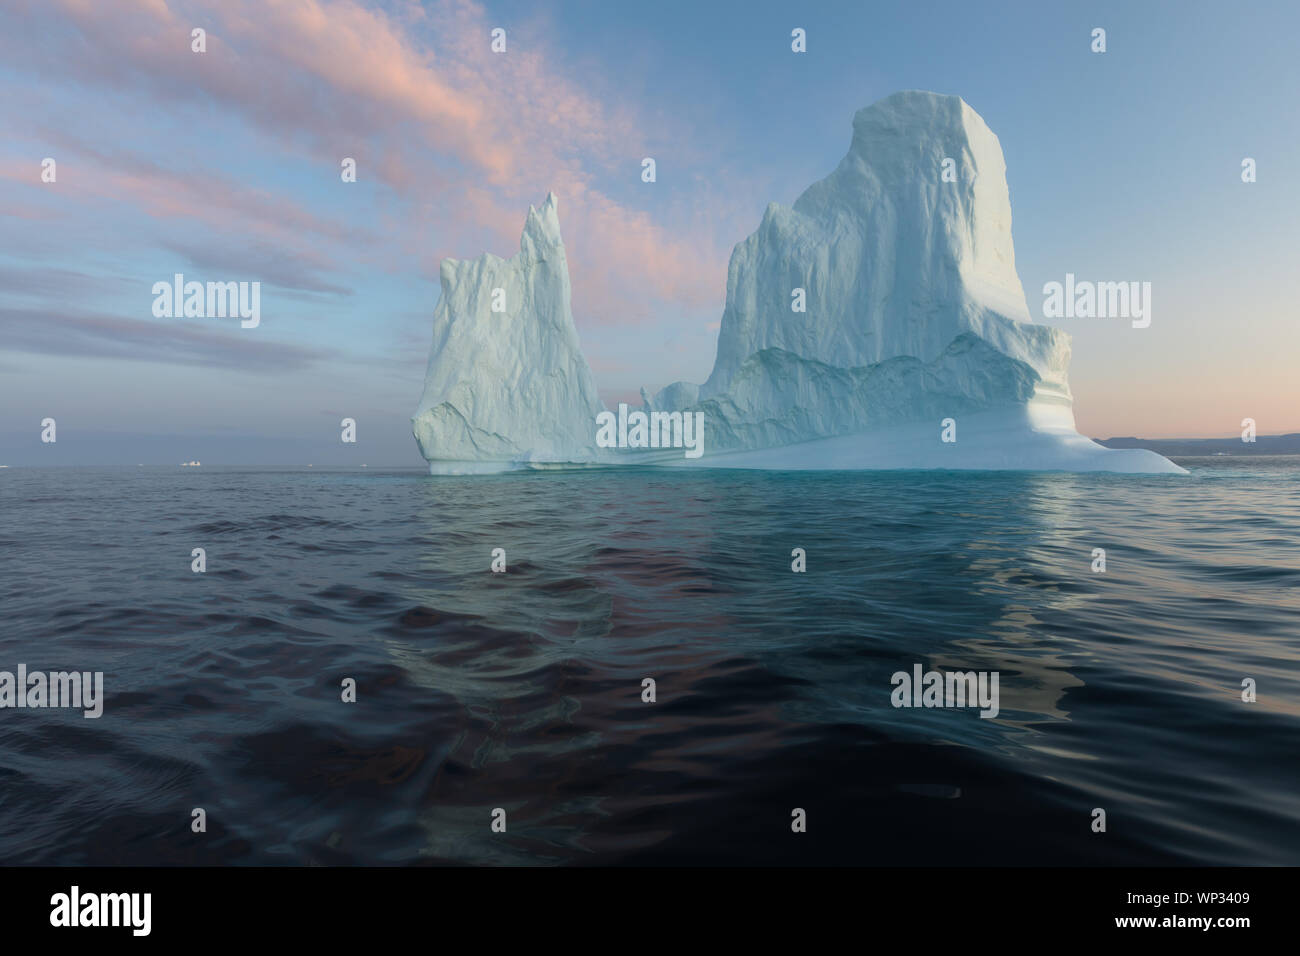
{"x": 522, "y": 690}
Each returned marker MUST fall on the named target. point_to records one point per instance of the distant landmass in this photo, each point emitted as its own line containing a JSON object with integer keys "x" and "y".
{"x": 1191, "y": 447}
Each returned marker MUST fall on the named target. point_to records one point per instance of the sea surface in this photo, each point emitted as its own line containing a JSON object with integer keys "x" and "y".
{"x": 522, "y": 691}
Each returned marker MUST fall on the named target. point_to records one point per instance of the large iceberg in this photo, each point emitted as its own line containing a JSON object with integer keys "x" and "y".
{"x": 877, "y": 323}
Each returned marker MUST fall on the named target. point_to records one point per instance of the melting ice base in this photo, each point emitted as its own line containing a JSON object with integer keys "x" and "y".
{"x": 914, "y": 314}
{"x": 1022, "y": 438}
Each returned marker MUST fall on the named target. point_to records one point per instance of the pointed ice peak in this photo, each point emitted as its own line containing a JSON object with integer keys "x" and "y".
{"x": 542, "y": 228}
{"x": 506, "y": 380}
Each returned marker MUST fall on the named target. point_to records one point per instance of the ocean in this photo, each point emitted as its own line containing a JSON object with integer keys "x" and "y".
{"x": 517, "y": 697}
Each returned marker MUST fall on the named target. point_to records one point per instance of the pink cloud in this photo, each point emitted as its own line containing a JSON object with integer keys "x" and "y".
{"x": 221, "y": 205}
{"x": 464, "y": 137}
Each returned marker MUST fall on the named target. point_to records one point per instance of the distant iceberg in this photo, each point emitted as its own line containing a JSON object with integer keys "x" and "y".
{"x": 913, "y": 349}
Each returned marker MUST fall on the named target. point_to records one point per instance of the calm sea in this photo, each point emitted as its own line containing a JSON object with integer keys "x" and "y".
{"x": 522, "y": 690}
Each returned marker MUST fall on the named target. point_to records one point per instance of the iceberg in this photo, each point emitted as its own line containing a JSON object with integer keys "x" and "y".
{"x": 879, "y": 322}
{"x": 507, "y": 385}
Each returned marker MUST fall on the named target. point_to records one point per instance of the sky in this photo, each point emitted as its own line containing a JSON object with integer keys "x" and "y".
{"x": 225, "y": 166}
